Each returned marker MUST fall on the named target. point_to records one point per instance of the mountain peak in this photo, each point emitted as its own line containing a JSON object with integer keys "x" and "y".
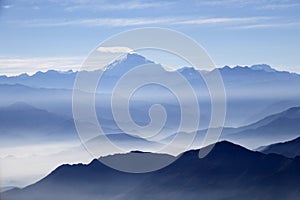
{"x": 135, "y": 56}
{"x": 50, "y": 72}
{"x": 257, "y": 67}
{"x": 187, "y": 69}
{"x": 226, "y": 67}
{"x": 20, "y": 106}
{"x": 289, "y": 148}
{"x": 233, "y": 68}
{"x": 129, "y": 61}
{"x": 293, "y": 112}
{"x": 263, "y": 67}
{"x": 190, "y": 72}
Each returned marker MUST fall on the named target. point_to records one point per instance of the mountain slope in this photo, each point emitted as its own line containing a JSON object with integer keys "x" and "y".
{"x": 289, "y": 149}
{"x": 263, "y": 67}
{"x": 249, "y": 90}
{"x": 275, "y": 128}
{"x": 65, "y": 79}
{"x": 228, "y": 172}
{"x": 30, "y": 124}
{"x": 49, "y": 79}
{"x": 54, "y": 100}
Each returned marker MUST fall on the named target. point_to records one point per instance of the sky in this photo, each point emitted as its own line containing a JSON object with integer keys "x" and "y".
{"x": 59, "y": 34}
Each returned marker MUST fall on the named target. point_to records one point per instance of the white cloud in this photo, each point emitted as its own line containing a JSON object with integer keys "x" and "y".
{"x": 114, "y": 50}
{"x": 222, "y": 20}
{"x": 125, "y": 22}
{"x": 134, "y": 5}
{"x": 280, "y": 6}
{"x": 15, "y": 66}
{"x": 36, "y": 8}
{"x": 262, "y": 4}
{"x": 137, "y": 5}
{"x": 7, "y": 6}
{"x": 235, "y": 3}
{"x": 269, "y": 25}
{"x": 110, "y": 22}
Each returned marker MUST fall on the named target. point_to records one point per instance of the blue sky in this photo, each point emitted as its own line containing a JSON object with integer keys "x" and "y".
{"x": 59, "y": 34}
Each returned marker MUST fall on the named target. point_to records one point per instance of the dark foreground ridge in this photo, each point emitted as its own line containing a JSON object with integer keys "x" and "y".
{"x": 289, "y": 149}
{"x": 228, "y": 172}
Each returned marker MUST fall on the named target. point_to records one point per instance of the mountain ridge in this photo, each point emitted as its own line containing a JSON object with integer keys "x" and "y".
{"x": 32, "y": 124}
{"x": 132, "y": 59}
{"x": 228, "y": 172}
{"x": 282, "y": 126}
{"x": 289, "y": 149}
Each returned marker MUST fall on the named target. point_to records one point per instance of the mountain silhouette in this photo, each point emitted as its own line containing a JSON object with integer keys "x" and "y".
{"x": 228, "y": 172}
{"x": 48, "y": 79}
{"x": 28, "y": 124}
{"x": 264, "y": 67}
{"x": 279, "y": 127}
{"x": 289, "y": 149}
{"x": 57, "y": 101}
{"x": 257, "y": 81}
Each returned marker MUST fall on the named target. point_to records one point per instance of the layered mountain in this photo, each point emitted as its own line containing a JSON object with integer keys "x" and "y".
{"x": 21, "y": 123}
{"x": 264, "y": 67}
{"x": 289, "y": 149}
{"x": 236, "y": 76}
{"x": 250, "y": 94}
{"x": 58, "y": 101}
{"x": 279, "y": 127}
{"x": 250, "y": 90}
{"x": 228, "y": 172}
{"x": 48, "y": 79}
{"x": 65, "y": 79}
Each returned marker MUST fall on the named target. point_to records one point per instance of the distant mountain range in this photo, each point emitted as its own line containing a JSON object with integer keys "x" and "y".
{"x": 263, "y": 67}
{"x": 49, "y": 79}
{"x": 254, "y": 74}
{"x": 250, "y": 97}
{"x": 250, "y": 90}
{"x": 289, "y": 149}
{"x": 279, "y": 127}
{"x": 21, "y": 123}
{"x": 38, "y": 125}
{"x": 228, "y": 172}
{"x": 58, "y": 101}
